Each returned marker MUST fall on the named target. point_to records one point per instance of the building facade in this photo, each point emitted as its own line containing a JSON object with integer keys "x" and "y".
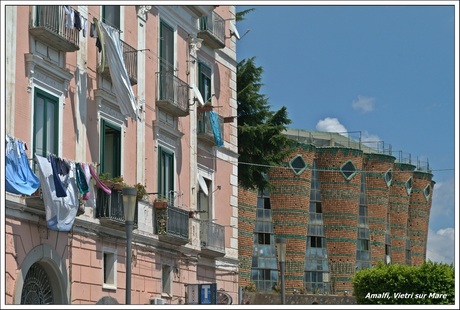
{"x": 341, "y": 206}
{"x": 144, "y": 95}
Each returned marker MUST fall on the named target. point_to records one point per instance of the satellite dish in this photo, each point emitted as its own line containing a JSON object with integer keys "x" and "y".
{"x": 203, "y": 185}
{"x": 234, "y": 31}
{"x": 198, "y": 95}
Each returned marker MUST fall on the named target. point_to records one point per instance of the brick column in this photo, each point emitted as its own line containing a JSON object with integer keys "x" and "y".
{"x": 290, "y": 200}
{"x": 378, "y": 195}
{"x": 399, "y": 211}
{"x": 419, "y": 215}
{"x": 340, "y": 201}
{"x": 247, "y": 206}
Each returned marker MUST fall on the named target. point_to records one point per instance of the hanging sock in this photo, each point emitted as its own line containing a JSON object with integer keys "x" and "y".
{"x": 19, "y": 177}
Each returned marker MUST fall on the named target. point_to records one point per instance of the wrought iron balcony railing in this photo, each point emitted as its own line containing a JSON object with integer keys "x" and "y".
{"x": 212, "y": 238}
{"x": 130, "y": 60}
{"x": 109, "y": 209}
{"x": 49, "y": 26}
{"x": 172, "y": 94}
{"x": 205, "y": 131}
{"x": 212, "y": 30}
{"x": 172, "y": 224}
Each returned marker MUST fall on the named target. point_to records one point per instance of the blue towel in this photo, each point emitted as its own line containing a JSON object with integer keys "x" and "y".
{"x": 214, "y": 118}
{"x": 19, "y": 177}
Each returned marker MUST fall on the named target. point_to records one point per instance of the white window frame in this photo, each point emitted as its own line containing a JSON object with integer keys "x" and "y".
{"x": 113, "y": 262}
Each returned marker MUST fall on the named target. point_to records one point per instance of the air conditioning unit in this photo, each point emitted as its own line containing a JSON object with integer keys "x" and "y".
{"x": 157, "y": 301}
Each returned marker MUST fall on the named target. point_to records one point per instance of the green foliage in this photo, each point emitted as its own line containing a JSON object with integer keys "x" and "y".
{"x": 239, "y": 16}
{"x": 429, "y": 283}
{"x": 261, "y": 143}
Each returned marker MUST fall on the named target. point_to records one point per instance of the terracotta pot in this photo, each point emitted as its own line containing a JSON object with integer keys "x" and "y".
{"x": 160, "y": 204}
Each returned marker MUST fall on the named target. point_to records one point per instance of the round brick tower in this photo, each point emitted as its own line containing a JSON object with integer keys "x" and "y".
{"x": 340, "y": 178}
{"x": 378, "y": 169}
{"x": 290, "y": 199}
{"x": 247, "y": 207}
{"x": 419, "y": 215}
{"x": 400, "y": 191}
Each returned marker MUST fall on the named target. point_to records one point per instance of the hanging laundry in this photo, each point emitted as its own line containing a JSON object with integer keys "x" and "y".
{"x": 92, "y": 31}
{"x": 214, "y": 119}
{"x": 84, "y": 22}
{"x": 19, "y": 177}
{"x": 89, "y": 198}
{"x": 120, "y": 80}
{"x": 81, "y": 179}
{"x": 60, "y": 186}
{"x": 77, "y": 20}
{"x": 60, "y": 211}
{"x": 69, "y": 16}
{"x": 99, "y": 183}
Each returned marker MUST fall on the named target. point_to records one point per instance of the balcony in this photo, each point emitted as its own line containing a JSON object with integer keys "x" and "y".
{"x": 205, "y": 132}
{"x": 130, "y": 61}
{"x": 109, "y": 209}
{"x": 48, "y": 26}
{"x": 212, "y": 30}
{"x": 172, "y": 94}
{"x": 172, "y": 225}
{"x": 212, "y": 238}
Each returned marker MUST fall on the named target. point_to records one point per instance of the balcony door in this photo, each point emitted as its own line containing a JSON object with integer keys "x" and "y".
{"x": 166, "y": 174}
{"x": 166, "y": 61}
{"x": 110, "y": 149}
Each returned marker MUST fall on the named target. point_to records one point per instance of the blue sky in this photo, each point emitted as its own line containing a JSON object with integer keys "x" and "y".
{"x": 386, "y": 72}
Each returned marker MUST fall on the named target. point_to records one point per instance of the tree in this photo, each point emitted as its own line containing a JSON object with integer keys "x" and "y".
{"x": 429, "y": 283}
{"x": 261, "y": 143}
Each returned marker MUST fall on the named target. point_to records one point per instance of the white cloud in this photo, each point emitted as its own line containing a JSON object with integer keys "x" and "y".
{"x": 363, "y": 103}
{"x": 331, "y": 124}
{"x": 371, "y": 140}
{"x": 441, "y": 246}
{"x": 442, "y": 206}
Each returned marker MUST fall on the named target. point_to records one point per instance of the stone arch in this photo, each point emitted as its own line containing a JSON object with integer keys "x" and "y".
{"x": 55, "y": 268}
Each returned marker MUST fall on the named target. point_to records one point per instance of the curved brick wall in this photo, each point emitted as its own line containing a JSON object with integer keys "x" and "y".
{"x": 419, "y": 215}
{"x": 247, "y": 206}
{"x": 378, "y": 195}
{"x": 340, "y": 201}
{"x": 290, "y": 200}
{"x": 399, "y": 211}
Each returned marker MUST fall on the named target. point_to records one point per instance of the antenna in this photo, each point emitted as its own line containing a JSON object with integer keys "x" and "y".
{"x": 234, "y": 31}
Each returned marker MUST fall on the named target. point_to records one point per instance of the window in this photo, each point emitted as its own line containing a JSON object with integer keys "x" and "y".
{"x": 166, "y": 279}
{"x": 109, "y": 263}
{"x": 45, "y": 124}
{"x": 298, "y": 165}
{"x": 316, "y": 242}
{"x": 427, "y": 192}
{"x": 165, "y": 172}
{"x": 348, "y": 170}
{"x": 111, "y": 15}
{"x": 389, "y": 177}
{"x": 110, "y": 149}
{"x": 166, "y": 48}
{"x": 204, "y": 81}
{"x": 264, "y": 238}
{"x": 204, "y": 201}
{"x": 409, "y": 186}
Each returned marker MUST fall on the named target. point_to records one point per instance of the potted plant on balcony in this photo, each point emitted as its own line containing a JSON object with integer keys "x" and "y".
{"x": 160, "y": 203}
{"x": 141, "y": 191}
{"x": 115, "y": 183}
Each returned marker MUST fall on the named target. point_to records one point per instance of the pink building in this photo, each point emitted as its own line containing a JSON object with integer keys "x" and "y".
{"x": 146, "y": 93}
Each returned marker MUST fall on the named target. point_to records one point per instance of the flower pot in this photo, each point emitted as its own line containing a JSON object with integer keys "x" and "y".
{"x": 160, "y": 204}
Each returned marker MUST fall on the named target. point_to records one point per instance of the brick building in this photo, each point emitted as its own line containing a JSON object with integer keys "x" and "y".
{"x": 342, "y": 206}
{"x": 144, "y": 94}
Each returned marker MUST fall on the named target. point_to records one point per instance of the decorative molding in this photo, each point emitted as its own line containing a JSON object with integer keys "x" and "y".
{"x": 195, "y": 45}
{"x": 142, "y": 11}
{"x": 47, "y": 72}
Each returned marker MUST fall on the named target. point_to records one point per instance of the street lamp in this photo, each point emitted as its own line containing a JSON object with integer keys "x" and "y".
{"x": 129, "y": 195}
{"x": 281, "y": 251}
